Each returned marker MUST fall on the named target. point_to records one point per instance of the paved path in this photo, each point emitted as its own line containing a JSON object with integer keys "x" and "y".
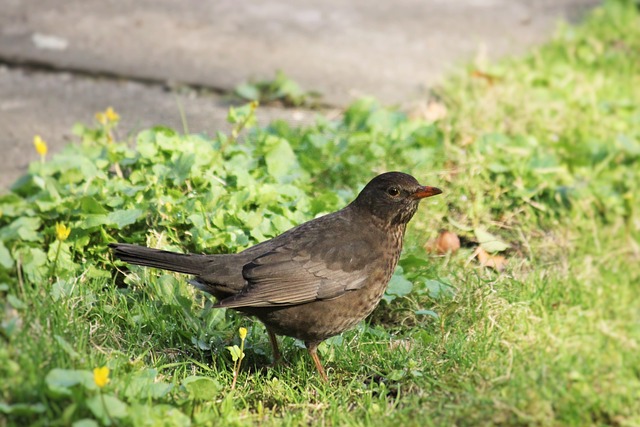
{"x": 67, "y": 59}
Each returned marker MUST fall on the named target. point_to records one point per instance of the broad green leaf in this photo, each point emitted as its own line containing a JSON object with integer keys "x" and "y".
{"x": 201, "y": 388}
{"x": 280, "y": 158}
{"x": 143, "y": 385}
{"x": 6, "y": 260}
{"x": 91, "y": 221}
{"x": 34, "y": 263}
{"x": 489, "y": 242}
{"x": 248, "y": 91}
{"x": 61, "y": 288}
{"x": 22, "y": 408}
{"x": 412, "y": 261}
{"x": 85, "y": 422}
{"x": 436, "y": 288}
{"x": 122, "y": 218}
{"x": 60, "y": 381}
{"x": 158, "y": 415}
{"x": 90, "y": 205}
{"x": 107, "y": 406}
{"x": 399, "y": 286}
{"x": 459, "y": 225}
{"x": 15, "y": 302}
{"x": 236, "y": 353}
{"x": 24, "y": 228}
{"x": 119, "y": 219}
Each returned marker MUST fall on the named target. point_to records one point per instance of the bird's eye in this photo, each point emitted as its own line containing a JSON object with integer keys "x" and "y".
{"x": 393, "y": 191}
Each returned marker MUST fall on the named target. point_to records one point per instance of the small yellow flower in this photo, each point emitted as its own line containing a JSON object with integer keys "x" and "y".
{"x": 111, "y": 115}
{"x": 41, "y": 146}
{"x": 62, "y": 231}
{"x": 101, "y": 376}
{"x": 107, "y": 116}
{"x": 243, "y": 333}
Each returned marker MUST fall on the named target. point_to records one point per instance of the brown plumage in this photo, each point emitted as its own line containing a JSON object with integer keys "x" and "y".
{"x": 315, "y": 280}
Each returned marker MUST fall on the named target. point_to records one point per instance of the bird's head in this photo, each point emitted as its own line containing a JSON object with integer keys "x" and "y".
{"x": 393, "y": 197}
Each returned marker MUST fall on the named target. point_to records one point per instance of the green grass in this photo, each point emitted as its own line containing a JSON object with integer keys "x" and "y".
{"x": 541, "y": 151}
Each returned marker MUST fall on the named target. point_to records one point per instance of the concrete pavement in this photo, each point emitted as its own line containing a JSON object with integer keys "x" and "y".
{"x": 68, "y": 59}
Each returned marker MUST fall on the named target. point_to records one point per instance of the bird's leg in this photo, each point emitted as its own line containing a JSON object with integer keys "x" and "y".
{"x": 312, "y": 348}
{"x": 277, "y": 357}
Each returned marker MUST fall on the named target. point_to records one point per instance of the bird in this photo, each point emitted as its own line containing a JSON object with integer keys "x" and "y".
{"x": 315, "y": 280}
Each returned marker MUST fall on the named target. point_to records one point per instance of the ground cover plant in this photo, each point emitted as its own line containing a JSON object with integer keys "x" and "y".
{"x": 535, "y": 320}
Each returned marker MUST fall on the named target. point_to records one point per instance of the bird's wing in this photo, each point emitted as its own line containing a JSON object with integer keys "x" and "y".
{"x": 291, "y": 275}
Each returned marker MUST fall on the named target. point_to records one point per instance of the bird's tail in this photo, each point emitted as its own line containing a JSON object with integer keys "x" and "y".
{"x": 165, "y": 260}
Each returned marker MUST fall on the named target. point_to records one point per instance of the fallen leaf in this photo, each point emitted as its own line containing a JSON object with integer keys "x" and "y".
{"x": 447, "y": 242}
{"x": 489, "y": 242}
{"x": 491, "y": 79}
{"x": 430, "y": 111}
{"x": 497, "y": 262}
{"x": 405, "y": 344}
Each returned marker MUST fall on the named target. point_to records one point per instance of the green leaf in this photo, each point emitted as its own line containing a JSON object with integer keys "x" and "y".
{"x": 280, "y": 158}
{"x": 436, "y": 288}
{"x": 107, "y": 406}
{"x": 201, "y": 388}
{"x": 22, "y": 408}
{"x": 15, "y": 302}
{"x": 6, "y": 260}
{"x": 489, "y": 242}
{"x": 236, "y": 353}
{"x": 59, "y": 381}
{"x": 24, "y": 228}
{"x": 427, "y": 313}
{"x": 85, "y": 422}
{"x": 122, "y": 218}
{"x": 119, "y": 219}
{"x": 60, "y": 289}
{"x": 399, "y": 286}
{"x": 90, "y": 205}
{"x": 143, "y": 385}
{"x": 459, "y": 225}
{"x": 158, "y": 415}
{"x": 248, "y": 91}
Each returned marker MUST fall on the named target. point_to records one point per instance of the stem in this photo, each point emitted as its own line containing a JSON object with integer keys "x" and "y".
{"x": 55, "y": 260}
{"x": 236, "y": 365}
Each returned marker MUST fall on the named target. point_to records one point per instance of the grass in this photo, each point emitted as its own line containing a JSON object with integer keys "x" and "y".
{"x": 542, "y": 151}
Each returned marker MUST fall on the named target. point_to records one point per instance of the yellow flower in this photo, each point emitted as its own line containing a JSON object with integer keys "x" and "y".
{"x": 101, "y": 376}
{"x": 41, "y": 146}
{"x": 108, "y": 116}
{"x": 62, "y": 231}
{"x": 101, "y": 118}
{"x": 243, "y": 333}
{"x": 111, "y": 115}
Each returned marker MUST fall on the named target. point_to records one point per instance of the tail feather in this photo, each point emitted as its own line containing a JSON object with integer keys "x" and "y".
{"x": 165, "y": 260}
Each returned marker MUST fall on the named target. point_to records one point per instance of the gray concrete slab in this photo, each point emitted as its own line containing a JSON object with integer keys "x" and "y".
{"x": 392, "y": 50}
{"x": 389, "y": 49}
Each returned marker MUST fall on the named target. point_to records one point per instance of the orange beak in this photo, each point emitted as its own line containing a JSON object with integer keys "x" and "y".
{"x": 423, "y": 192}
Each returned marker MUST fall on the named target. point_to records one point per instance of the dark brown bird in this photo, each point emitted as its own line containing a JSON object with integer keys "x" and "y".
{"x": 315, "y": 280}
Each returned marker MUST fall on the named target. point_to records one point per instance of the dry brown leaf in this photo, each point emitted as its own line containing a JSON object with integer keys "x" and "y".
{"x": 444, "y": 243}
{"x": 447, "y": 242}
{"x": 489, "y": 78}
{"x": 497, "y": 262}
{"x": 430, "y": 111}
{"x": 406, "y": 344}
